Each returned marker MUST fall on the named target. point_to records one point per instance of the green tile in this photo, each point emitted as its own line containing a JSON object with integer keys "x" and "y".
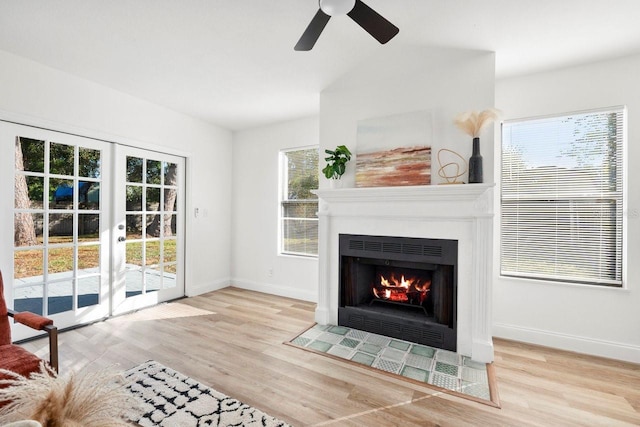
{"x": 445, "y": 381}
{"x": 400, "y": 345}
{"x": 339, "y": 351}
{"x": 423, "y": 350}
{"x": 474, "y": 375}
{"x": 445, "y": 368}
{"x": 447, "y": 356}
{"x": 477, "y": 390}
{"x": 301, "y": 341}
{"x": 467, "y": 361}
{"x": 363, "y": 358}
{"x": 418, "y": 361}
{"x": 387, "y": 365}
{"x": 370, "y": 348}
{"x": 415, "y": 373}
{"x": 340, "y": 330}
{"x": 392, "y": 354}
{"x": 380, "y": 340}
{"x": 320, "y": 346}
{"x": 349, "y": 342}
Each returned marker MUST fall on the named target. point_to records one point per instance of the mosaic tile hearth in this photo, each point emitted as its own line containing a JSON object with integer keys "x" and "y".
{"x": 433, "y": 366}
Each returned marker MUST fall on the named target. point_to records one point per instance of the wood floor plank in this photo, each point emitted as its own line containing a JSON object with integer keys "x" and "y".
{"x": 232, "y": 340}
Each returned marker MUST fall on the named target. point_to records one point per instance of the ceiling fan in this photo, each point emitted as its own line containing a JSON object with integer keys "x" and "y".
{"x": 372, "y": 22}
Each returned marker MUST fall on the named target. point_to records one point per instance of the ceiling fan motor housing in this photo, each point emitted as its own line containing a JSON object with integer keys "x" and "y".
{"x": 337, "y": 7}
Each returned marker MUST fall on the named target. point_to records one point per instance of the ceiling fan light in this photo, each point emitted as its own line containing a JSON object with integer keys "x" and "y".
{"x": 337, "y": 7}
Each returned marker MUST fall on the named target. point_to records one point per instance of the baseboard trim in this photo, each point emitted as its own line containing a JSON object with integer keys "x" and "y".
{"x": 200, "y": 289}
{"x": 578, "y": 344}
{"x": 267, "y": 288}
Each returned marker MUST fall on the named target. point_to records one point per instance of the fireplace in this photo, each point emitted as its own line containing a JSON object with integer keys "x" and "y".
{"x": 400, "y": 287}
{"x": 460, "y": 213}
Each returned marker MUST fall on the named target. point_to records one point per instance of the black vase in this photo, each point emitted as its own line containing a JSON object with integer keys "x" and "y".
{"x": 475, "y": 163}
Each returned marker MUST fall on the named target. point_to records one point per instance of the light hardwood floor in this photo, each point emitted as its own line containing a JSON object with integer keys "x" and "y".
{"x": 232, "y": 341}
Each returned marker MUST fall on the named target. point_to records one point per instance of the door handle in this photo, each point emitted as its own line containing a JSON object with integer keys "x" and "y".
{"x": 121, "y": 239}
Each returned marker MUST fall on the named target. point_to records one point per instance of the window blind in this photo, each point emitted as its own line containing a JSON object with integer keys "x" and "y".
{"x": 298, "y": 205}
{"x": 562, "y": 197}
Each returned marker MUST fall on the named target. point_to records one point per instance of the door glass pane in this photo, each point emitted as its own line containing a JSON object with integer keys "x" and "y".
{"x": 27, "y": 229}
{"x": 153, "y": 279}
{"x": 134, "y": 169}
{"x": 61, "y": 159}
{"x": 88, "y": 291}
{"x": 33, "y": 186}
{"x": 88, "y": 228}
{"x": 60, "y": 193}
{"x": 170, "y": 199}
{"x": 152, "y": 253}
{"x": 89, "y": 259}
{"x": 134, "y": 226}
{"x": 169, "y": 276}
{"x": 153, "y": 199}
{"x": 60, "y": 228}
{"x": 60, "y": 298}
{"x": 153, "y": 172}
{"x": 89, "y": 195}
{"x": 133, "y": 268}
{"x": 169, "y": 252}
{"x": 170, "y": 174}
{"x": 29, "y": 298}
{"x": 89, "y": 162}
{"x": 134, "y": 198}
{"x": 153, "y": 226}
{"x": 171, "y": 221}
{"x": 60, "y": 263}
{"x": 28, "y": 266}
{"x": 29, "y": 155}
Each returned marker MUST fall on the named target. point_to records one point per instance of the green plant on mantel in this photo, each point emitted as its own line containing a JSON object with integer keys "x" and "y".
{"x": 336, "y": 162}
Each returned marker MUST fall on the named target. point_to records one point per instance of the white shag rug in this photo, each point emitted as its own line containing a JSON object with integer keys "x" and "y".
{"x": 169, "y": 398}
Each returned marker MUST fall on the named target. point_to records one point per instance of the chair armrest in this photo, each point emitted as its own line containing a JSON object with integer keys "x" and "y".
{"x": 40, "y": 323}
{"x": 32, "y": 320}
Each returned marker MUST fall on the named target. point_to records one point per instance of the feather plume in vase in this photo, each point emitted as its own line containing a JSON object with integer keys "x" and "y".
{"x": 86, "y": 398}
{"x": 472, "y": 122}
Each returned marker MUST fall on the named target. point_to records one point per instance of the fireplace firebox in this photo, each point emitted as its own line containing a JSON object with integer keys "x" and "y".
{"x": 399, "y": 287}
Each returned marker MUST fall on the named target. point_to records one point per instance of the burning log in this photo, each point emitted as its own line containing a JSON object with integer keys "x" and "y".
{"x": 403, "y": 290}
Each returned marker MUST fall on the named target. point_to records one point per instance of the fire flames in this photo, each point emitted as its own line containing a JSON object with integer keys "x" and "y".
{"x": 406, "y": 290}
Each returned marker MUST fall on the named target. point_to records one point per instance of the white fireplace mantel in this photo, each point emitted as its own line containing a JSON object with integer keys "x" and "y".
{"x": 461, "y": 212}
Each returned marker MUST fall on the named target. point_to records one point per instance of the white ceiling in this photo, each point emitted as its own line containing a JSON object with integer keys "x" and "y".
{"x": 232, "y": 63}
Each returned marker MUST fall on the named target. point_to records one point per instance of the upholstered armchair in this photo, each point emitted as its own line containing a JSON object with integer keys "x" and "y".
{"x": 15, "y": 358}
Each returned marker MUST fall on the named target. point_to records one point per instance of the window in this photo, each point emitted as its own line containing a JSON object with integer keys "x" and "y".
{"x": 562, "y": 197}
{"x": 298, "y": 205}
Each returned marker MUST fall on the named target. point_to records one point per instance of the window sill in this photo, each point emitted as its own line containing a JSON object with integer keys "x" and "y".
{"x": 298, "y": 256}
{"x": 554, "y": 283}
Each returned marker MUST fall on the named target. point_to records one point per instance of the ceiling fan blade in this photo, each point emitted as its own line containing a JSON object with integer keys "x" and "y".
{"x": 373, "y": 23}
{"x": 311, "y": 34}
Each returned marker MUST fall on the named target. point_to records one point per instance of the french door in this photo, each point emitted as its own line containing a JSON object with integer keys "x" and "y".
{"x": 149, "y": 241}
{"x": 97, "y": 227}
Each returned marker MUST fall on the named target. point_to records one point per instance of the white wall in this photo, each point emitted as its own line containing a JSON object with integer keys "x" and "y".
{"x": 35, "y": 94}
{"x": 587, "y": 319}
{"x": 442, "y": 82}
{"x": 256, "y": 264}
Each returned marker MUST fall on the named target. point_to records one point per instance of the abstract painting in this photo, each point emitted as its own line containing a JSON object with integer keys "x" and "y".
{"x": 394, "y": 150}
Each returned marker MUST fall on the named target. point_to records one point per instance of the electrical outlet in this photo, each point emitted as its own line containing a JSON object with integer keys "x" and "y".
{"x": 270, "y": 272}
